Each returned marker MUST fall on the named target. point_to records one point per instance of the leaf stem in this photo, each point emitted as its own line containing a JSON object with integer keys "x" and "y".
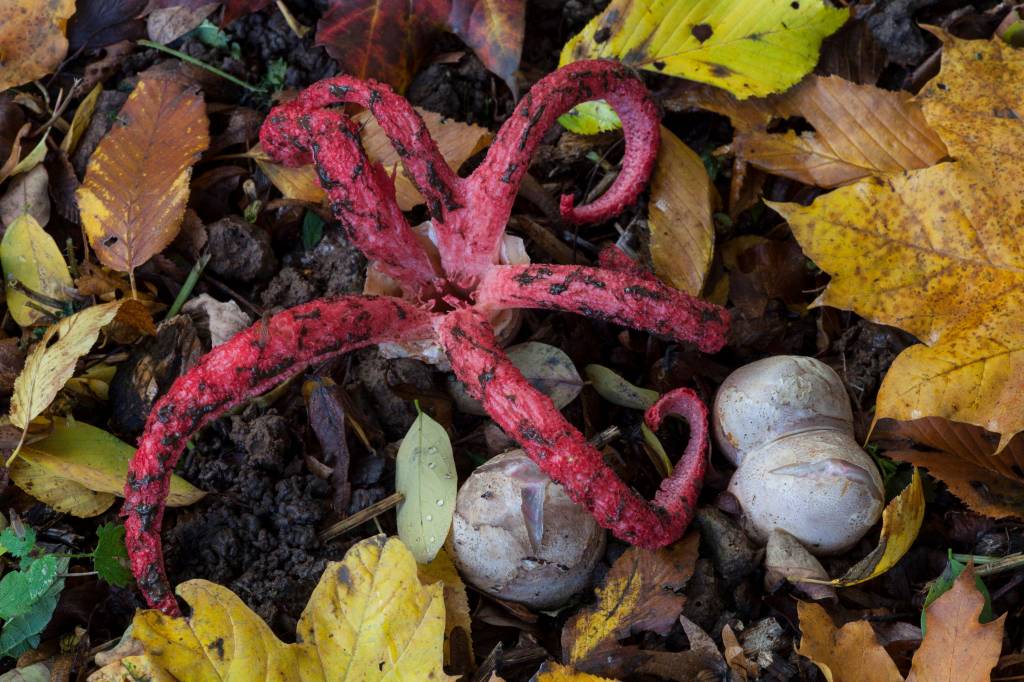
{"x": 188, "y": 286}
{"x": 201, "y": 64}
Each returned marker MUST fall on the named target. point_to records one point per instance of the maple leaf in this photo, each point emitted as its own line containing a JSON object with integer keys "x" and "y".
{"x": 136, "y": 183}
{"x": 936, "y": 251}
{"x": 369, "y": 618}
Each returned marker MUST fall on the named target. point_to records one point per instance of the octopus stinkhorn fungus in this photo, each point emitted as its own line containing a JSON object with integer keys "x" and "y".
{"x": 448, "y": 301}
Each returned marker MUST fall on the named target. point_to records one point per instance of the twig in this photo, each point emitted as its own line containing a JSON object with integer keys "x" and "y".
{"x": 361, "y": 517}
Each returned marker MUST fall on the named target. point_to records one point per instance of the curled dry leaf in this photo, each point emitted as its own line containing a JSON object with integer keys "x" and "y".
{"x": 679, "y": 216}
{"x": 369, "y": 618}
{"x": 901, "y": 521}
{"x": 79, "y": 469}
{"x": 847, "y": 654}
{"x": 786, "y": 559}
{"x": 136, "y": 184}
{"x": 32, "y": 41}
{"x": 939, "y": 249}
{"x": 958, "y": 648}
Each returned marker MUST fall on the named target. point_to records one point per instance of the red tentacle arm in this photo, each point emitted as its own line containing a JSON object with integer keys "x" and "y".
{"x": 412, "y": 141}
{"x": 613, "y": 258}
{"x": 563, "y": 453}
{"x": 361, "y": 194}
{"x": 249, "y": 364}
{"x": 629, "y": 300}
{"x": 492, "y": 188}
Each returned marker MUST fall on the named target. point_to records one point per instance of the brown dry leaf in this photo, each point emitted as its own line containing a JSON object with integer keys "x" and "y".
{"x": 847, "y": 654}
{"x": 743, "y": 669}
{"x": 457, "y": 142}
{"x": 936, "y": 251}
{"x": 786, "y": 559}
{"x": 859, "y": 130}
{"x": 966, "y": 462}
{"x": 679, "y": 215}
{"x": 298, "y": 183}
{"x": 457, "y": 624}
{"x": 32, "y": 41}
{"x": 639, "y": 594}
{"x": 957, "y": 648}
{"x": 136, "y": 184}
{"x": 553, "y": 672}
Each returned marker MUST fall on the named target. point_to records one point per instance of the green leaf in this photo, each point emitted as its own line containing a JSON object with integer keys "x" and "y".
{"x": 312, "y": 230}
{"x": 425, "y": 475}
{"x": 21, "y": 632}
{"x": 591, "y": 118}
{"x": 110, "y": 556}
{"x": 210, "y": 35}
{"x": 944, "y": 583}
{"x": 617, "y": 390}
{"x": 18, "y": 546}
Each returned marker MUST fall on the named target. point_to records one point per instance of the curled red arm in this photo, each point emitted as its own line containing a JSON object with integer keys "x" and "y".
{"x": 251, "y": 363}
{"x": 361, "y": 194}
{"x": 626, "y": 299}
{"x": 564, "y": 454}
{"x": 492, "y": 188}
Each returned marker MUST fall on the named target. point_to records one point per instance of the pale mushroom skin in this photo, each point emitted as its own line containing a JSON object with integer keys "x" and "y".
{"x": 518, "y": 537}
{"x": 787, "y": 424}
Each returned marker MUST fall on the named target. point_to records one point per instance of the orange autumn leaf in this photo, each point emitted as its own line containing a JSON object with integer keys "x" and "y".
{"x": 958, "y": 648}
{"x": 137, "y": 181}
{"x": 936, "y": 251}
{"x": 847, "y": 654}
{"x": 32, "y": 41}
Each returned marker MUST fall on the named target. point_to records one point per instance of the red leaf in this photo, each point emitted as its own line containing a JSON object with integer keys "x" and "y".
{"x": 380, "y": 39}
{"x": 494, "y": 29}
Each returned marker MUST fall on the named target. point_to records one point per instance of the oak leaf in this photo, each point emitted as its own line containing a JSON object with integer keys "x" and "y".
{"x": 369, "y": 618}
{"x": 847, "y": 654}
{"x": 936, "y": 251}
{"x": 957, "y": 647}
{"x": 679, "y": 216}
{"x": 32, "y": 41}
{"x": 136, "y": 183}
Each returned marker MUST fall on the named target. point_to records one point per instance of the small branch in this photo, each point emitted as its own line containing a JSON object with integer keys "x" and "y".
{"x": 361, "y": 517}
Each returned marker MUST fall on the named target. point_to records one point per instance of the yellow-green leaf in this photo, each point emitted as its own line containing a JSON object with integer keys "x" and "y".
{"x": 81, "y": 119}
{"x": 51, "y": 362}
{"x": 425, "y": 475}
{"x": 679, "y": 216}
{"x": 368, "y": 619}
{"x": 79, "y": 469}
{"x": 901, "y": 521}
{"x": 617, "y": 390}
{"x": 32, "y": 258}
{"x": 34, "y": 157}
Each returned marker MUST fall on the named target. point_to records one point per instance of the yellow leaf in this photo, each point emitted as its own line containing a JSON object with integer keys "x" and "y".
{"x": 51, "y": 362}
{"x": 859, "y": 130}
{"x": 31, "y": 258}
{"x": 457, "y": 626}
{"x": 369, "y": 618}
{"x": 457, "y": 142}
{"x": 936, "y": 251}
{"x": 847, "y": 654}
{"x": 79, "y": 468}
{"x": 679, "y": 215}
{"x": 298, "y": 183}
{"x": 554, "y": 672}
{"x": 748, "y": 47}
{"x": 638, "y": 594}
{"x": 34, "y": 158}
{"x": 32, "y": 41}
{"x": 901, "y": 522}
{"x": 956, "y": 647}
{"x": 130, "y": 669}
{"x": 136, "y": 184}
{"x": 83, "y": 115}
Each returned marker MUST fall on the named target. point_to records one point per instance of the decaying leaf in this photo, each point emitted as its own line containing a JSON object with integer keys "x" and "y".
{"x": 369, "y": 618}
{"x": 33, "y": 263}
{"x": 298, "y": 182}
{"x": 935, "y": 251}
{"x": 27, "y": 194}
{"x": 554, "y": 672}
{"x": 787, "y": 559}
{"x": 859, "y": 130}
{"x": 639, "y": 594}
{"x": 457, "y": 623}
{"x": 136, "y": 185}
{"x": 748, "y": 48}
{"x": 958, "y": 648}
{"x": 32, "y": 41}
{"x": 679, "y": 216}
{"x": 81, "y": 119}
{"x": 457, "y": 142}
{"x": 51, "y": 362}
{"x": 901, "y": 522}
{"x": 847, "y": 654}
{"x": 494, "y": 30}
{"x": 425, "y": 476}
{"x": 79, "y": 469}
